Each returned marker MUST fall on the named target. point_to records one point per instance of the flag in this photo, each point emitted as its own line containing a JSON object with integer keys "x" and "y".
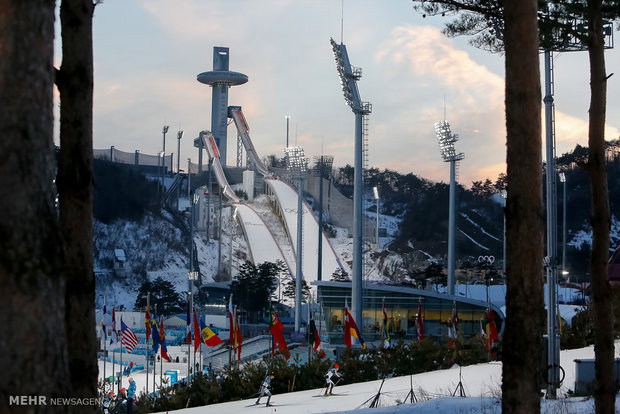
{"x": 231, "y": 317}
{"x": 239, "y": 340}
{"x": 386, "y": 332}
{"x": 155, "y": 334}
{"x": 453, "y": 326}
{"x": 491, "y": 330}
{"x": 189, "y": 324}
{"x": 420, "y": 321}
{"x": 347, "y": 325}
{"x": 315, "y": 338}
{"x": 208, "y": 336}
{"x": 276, "y": 328}
{"x": 162, "y": 336}
{"x": 106, "y": 320}
{"x": 147, "y": 320}
{"x": 352, "y": 331}
{"x": 559, "y": 320}
{"x": 197, "y": 333}
{"x": 114, "y": 336}
{"x": 128, "y": 338}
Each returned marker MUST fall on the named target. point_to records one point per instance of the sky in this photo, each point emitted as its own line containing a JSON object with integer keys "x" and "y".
{"x": 147, "y": 54}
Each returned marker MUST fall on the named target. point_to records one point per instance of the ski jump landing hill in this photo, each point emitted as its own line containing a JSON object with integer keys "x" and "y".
{"x": 261, "y": 241}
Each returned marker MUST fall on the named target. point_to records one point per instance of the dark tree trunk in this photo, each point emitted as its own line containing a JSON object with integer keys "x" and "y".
{"x": 75, "y": 188}
{"x": 601, "y": 221}
{"x": 32, "y": 278}
{"x": 522, "y": 349}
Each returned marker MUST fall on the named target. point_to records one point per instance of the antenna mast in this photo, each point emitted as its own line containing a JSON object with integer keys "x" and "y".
{"x": 342, "y": 23}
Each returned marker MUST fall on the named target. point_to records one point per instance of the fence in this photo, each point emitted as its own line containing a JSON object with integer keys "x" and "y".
{"x": 137, "y": 158}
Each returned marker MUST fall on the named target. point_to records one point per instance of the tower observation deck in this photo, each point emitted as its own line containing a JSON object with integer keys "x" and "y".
{"x": 220, "y": 79}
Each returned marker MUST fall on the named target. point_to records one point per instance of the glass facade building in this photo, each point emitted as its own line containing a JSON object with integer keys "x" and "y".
{"x": 401, "y": 304}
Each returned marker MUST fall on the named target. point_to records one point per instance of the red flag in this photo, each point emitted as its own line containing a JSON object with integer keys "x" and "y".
{"x": 197, "y": 338}
{"x": 231, "y": 317}
{"x": 314, "y": 335}
{"x": 239, "y": 340}
{"x": 208, "y": 336}
{"x": 162, "y": 337}
{"x": 352, "y": 331}
{"x": 347, "y": 325}
{"x": 276, "y": 328}
{"x": 492, "y": 335}
{"x": 420, "y": 321}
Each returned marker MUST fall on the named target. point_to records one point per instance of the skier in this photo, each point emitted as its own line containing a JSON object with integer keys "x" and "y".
{"x": 328, "y": 377}
{"x": 265, "y": 390}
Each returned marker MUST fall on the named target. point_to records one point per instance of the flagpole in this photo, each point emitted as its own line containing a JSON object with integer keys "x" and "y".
{"x": 154, "y": 352}
{"x": 161, "y": 361}
{"x": 120, "y": 378}
{"x": 105, "y": 339}
{"x": 114, "y": 367}
{"x": 191, "y": 337}
{"x": 308, "y": 333}
{"x": 189, "y": 355}
{"x": 148, "y": 295}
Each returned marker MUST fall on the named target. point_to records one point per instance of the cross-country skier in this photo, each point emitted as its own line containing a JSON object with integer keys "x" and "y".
{"x": 265, "y": 390}
{"x": 328, "y": 378}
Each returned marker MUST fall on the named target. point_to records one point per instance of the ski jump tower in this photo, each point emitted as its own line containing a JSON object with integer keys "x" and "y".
{"x": 220, "y": 79}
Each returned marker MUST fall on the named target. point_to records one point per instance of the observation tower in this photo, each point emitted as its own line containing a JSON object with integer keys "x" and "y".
{"x": 220, "y": 79}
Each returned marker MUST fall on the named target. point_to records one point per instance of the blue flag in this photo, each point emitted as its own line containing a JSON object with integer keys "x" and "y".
{"x": 155, "y": 335}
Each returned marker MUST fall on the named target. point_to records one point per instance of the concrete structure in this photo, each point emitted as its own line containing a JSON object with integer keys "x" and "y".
{"x": 220, "y": 79}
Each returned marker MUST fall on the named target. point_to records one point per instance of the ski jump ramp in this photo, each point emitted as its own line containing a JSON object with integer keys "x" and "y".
{"x": 260, "y": 239}
{"x": 261, "y": 242}
{"x": 286, "y": 199}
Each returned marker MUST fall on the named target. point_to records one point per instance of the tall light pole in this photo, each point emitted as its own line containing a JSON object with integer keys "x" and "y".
{"x": 349, "y": 75}
{"x": 323, "y": 166}
{"x": 288, "y": 117}
{"x": 163, "y": 161}
{"x": 297, "y": 166}
{"x": 504, "y": 195}
{"x": 565, "y": 42}
{"x": 446, "y": 147}
{"x": 375, "y": 192}
{"x": 563, "y": 181}
{"x": 179, "y": 136}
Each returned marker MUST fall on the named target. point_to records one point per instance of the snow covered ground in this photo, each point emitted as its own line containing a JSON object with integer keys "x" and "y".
{"x": 433, "y": 392}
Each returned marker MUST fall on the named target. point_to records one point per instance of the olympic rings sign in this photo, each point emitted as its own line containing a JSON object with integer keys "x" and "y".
{"x": 486, "y": 259}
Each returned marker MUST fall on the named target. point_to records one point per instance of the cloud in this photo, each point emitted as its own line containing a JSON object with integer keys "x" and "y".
{"x": 420, "y": 62}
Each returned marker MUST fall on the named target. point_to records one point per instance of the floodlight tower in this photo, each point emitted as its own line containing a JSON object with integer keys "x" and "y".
{"x": 297, "y": 165}
{"x": 323, "y": 167}
{"x": 569, "y": 41}
{"x": 220, "y": 79}
{"x": 349, "y": 75}
{"x": 446, "y": 147}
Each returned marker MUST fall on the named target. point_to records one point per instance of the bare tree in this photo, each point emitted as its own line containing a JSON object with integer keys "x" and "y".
{"x": 605, "y": 393}
{"x": 32, "y": 268}
{"x": 524, "y": 224}
{"x": 517, "y": 24}
{"x": 75, "y": 187}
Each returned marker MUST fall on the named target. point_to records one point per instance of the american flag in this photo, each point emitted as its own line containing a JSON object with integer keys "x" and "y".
{"x": 130, "y": 340}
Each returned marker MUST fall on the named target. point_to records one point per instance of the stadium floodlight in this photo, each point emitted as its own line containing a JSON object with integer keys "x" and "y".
{"x": 446, "y": 140}
{"x": 349, "y": 75}
{"x": 297, "y": 165}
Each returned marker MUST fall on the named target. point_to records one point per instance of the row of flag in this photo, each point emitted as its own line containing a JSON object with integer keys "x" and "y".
{"x": 202, "y": 333}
